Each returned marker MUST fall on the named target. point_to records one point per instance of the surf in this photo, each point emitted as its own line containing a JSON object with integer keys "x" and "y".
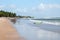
{"x": 44, "y": 22}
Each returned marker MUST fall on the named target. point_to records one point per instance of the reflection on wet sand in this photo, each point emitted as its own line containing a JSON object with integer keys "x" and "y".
{"x": 37, "y": 32}
{"x": 48, "y": 27}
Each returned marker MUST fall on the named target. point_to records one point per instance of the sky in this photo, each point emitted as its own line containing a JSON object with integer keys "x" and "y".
{"x": 35, "y": 8}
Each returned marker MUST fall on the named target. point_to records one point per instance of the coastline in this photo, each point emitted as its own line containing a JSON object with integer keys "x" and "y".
{"x": 7, "y": 31}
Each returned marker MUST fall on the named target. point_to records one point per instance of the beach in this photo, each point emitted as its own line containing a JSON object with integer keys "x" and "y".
{"x": 7, "y": 31}
{"x": 24, "y": 29}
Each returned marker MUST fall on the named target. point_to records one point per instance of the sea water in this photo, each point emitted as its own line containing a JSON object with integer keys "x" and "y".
{"x": 48, "y": 21}
{"x": 31, "y": 31}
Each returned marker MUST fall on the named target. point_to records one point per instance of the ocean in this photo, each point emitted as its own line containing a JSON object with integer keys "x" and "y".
{"x": 46, "y": 30}
{"x": 48, "y": 21}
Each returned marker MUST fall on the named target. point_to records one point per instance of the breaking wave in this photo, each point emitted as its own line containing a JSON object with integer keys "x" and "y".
{"x": 45, "y": 22}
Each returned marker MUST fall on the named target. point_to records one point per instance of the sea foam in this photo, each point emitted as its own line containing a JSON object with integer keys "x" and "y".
{"x": 45, "y": 22}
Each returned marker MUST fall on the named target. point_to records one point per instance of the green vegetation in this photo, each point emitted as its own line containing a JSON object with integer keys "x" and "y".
{"x": 10, "y": 14}
{"x": 25, "y": 16}
{"x": 7, "y": 14}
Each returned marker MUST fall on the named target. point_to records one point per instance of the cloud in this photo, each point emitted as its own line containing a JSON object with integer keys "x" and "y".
{"x": 23, "y": 10}
{"x": 12, "y": 6}
{"x": 1, "y": 7}
{"x": 39, "y": 8}
{"x": 43, "y": 6}
{"x": 54, "y": 6}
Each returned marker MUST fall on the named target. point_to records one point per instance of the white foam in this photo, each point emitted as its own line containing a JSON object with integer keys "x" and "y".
{"x": 36, "y": 21}
{"x": 45, "y": 22}
{"x": 53, "y": 23}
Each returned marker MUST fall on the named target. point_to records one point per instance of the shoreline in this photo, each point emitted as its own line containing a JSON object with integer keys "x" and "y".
{"x": 7, "y": 31}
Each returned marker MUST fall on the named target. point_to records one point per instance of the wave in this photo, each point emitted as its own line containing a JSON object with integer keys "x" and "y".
{"x": 45, "y": 22}
{"x": 53, "y": 23}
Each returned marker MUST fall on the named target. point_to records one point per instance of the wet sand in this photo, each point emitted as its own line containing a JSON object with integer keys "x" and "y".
{"x": 7, "y": 31}
{"x": 32, "y": 31}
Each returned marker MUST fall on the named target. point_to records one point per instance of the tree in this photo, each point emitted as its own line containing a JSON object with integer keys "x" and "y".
{"x": 7, "y": 14}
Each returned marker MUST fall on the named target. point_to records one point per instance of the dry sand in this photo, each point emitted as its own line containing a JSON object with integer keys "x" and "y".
{"x": 7, "y": 31}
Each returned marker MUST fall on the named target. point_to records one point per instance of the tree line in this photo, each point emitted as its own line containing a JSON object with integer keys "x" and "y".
{"x": 25, "y": 17}
{"x": 7, "y": 14}
{"x": 10, "y": 14}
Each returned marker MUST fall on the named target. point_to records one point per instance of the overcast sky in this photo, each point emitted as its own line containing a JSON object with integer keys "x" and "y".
{"x": 36, "y": 8}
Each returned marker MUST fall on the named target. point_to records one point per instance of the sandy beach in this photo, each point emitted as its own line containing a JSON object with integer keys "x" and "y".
{"x": 7, "y": 31}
